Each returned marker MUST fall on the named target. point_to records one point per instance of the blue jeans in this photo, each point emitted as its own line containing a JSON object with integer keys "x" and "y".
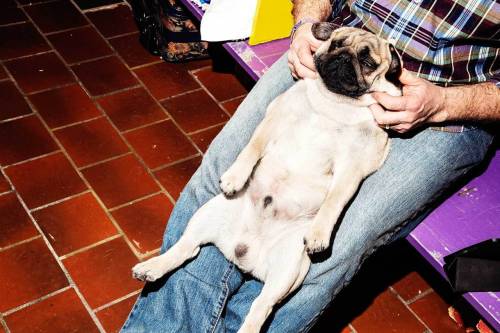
{"x": 209, "y": 294}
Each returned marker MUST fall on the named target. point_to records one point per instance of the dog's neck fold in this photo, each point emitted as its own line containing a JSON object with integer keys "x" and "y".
{"x": 364, "y": 100}
{"x": 354, "y": 110}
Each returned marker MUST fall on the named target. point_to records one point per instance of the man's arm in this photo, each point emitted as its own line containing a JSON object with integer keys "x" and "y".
{"x": 423, "y": 102}
{"x": 318, "y": 10}
{"x": 303, "y": 44}
{"x": 478, "y": 102}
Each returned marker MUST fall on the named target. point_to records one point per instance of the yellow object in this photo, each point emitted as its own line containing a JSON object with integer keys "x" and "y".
{"x": 273, "y": 20}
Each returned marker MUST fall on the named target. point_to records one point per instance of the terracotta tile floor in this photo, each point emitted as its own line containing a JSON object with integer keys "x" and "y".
{"x": 97, "y": 139}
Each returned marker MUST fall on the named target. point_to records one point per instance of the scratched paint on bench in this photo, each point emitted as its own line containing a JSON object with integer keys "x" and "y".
{"x": 468, "y": 217}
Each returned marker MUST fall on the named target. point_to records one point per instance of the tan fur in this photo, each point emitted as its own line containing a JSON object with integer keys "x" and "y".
{"x": 313, "y": 149}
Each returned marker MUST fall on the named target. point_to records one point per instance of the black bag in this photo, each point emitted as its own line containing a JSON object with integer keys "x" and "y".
{"x": 475, "y": 268}
{"x": 166, "y": 29}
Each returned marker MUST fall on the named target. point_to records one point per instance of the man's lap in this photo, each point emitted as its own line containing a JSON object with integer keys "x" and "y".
{"x": 414, "y": 175}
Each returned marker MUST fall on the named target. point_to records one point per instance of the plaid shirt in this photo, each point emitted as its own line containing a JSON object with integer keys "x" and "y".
{"x": 444, "y": 41}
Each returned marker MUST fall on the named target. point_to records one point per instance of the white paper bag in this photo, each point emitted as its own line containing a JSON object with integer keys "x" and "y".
{"x": 227, "y": 20}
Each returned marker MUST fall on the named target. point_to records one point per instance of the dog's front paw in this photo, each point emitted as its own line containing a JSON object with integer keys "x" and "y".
{"x": 231, "y": 182}
{"x": 316, "y": 240}
{"x": 150, "y": 270}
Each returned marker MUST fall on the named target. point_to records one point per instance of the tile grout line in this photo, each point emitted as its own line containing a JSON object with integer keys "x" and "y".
{"x": 419, "y": 296}
{"x": 24, "y": 241}
{"x": 198, "y": 131}
{"x": 155, "y": 122}
{"x": 409, "y": 309}
{"x": 109, "y": 159}
{"x": 2, "y": 174}
{"x": 116, "y": 301}
{"x": 133, "y": 68}
{"x": 94, "y": 98}
{"x": 6, "y": 192}
{"x": 105, "y": 7}
{"x": 179, "y": 161}
{"x": 27, "y": 55}
{"x": 85, "y": 61}
{"x": 64, "y": 85}
{"x": 3, "y": 324}
{"x": 353, "y": 330}
{"x": 88, "y": 247}
{"x": 34, "y": 4}
{"x": 36, "y": 301}
{"x": 150, "y": 253}
{"x": 53, "y": 203}
{"x": 179, "y": 94}
{"x": 8, "y": 120}
{"x": 66, "y": 30}
{"x": 129, "y": 203}
{"x": 32, "y": 158}
{"x": 125, "y": 34}
{"x": 76, "y": 123}
{"x": 196, "y": 70}
{"x": 13, "y": 23}
{"x": 233, "y": 98}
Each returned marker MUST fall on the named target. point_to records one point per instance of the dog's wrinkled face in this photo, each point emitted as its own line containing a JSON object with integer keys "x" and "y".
{"x": 353, "y": 62}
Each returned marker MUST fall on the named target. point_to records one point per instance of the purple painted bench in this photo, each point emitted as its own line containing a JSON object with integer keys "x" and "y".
{"x": 468, "y": 217}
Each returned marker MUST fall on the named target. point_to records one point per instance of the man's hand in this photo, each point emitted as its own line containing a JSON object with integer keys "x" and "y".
{"x": 422, "y": 102}
{"x": 300, "y": 59}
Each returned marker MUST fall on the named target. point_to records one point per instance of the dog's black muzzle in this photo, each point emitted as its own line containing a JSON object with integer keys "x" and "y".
{"x": 339, "y": 75}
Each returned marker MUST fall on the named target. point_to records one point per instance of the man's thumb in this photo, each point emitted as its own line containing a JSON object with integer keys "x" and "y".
{"x": 407, "y": 77}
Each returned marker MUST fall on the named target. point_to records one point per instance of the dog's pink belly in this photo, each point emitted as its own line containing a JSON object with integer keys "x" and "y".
{"x": 288, "y": 198}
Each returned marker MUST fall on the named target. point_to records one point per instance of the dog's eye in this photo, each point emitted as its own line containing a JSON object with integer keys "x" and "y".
{"x": 369, "y": 63}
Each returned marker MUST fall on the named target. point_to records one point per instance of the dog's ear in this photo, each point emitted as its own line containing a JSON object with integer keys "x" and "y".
{"x": 395, "y": 67}
{"x": 323, "y": 30}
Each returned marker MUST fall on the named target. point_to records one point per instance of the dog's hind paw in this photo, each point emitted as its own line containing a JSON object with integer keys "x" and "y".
{"x": 150, "y": 270}
{"x": 316, "y": 241}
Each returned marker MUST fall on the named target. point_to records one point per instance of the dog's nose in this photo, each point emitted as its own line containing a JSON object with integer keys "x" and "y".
{"x": 344, "y": 57}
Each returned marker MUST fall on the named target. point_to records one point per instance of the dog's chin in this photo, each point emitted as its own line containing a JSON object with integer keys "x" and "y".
{"x": 347, "y": 90}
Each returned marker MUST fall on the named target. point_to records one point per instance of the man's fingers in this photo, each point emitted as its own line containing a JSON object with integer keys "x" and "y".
{"x": 315, "y": 43}
{"x": 391, "y": 118}
{"x": 306, "y": 58}
{"x": 292, "y": 71}
{"x": 301, "y": 70}
{"x": 390, "y": 102}
{"x": 291, "y": 66}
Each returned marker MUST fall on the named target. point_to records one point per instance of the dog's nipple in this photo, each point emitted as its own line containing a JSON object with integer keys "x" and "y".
{"x": 240, "y": 250}
{"x": 267, "y": 200}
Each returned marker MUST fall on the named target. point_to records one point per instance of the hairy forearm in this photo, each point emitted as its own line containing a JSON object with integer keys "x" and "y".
{"x": 313, "y": 9}
{"x": 479, "y": 102}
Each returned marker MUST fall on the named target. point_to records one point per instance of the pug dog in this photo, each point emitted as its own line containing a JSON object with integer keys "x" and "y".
{"x": 287, "y": 188}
